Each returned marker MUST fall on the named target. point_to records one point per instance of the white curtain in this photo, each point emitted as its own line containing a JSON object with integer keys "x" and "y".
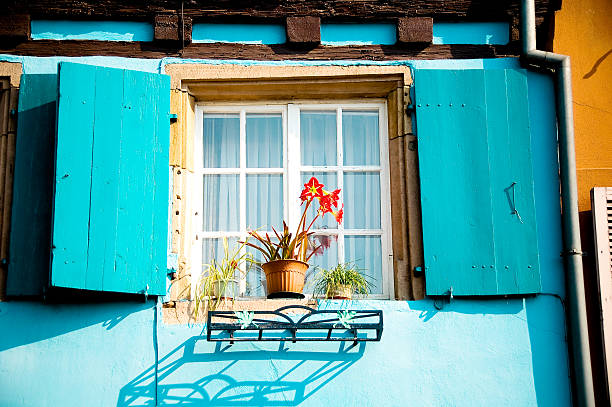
{"x": 264, "y": 140}
{"x": 318, "y": 138}
{"x": 221, "y": 140}
{"x": 360, "y": 134}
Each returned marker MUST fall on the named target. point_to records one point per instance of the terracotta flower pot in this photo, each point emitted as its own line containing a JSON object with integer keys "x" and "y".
{"x": 342, "y": 292}
{"x": 285, "y": 278}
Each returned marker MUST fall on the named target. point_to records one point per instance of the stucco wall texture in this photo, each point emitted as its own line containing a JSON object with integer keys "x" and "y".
{"x": 490, "y": 352}
{"x": 472, "y": 353}
{"x": 583, "y": 31}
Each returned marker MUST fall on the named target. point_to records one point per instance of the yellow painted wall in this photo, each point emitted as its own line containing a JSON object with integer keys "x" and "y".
{"x": 583, "y": 30}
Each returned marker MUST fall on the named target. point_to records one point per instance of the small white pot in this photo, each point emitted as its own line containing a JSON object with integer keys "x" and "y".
{"x": 227, "y": 289}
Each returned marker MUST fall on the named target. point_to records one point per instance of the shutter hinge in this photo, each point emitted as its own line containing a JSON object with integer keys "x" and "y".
{"x": 418, "y": 271}
{"x": 439, "y": 302}
{"x": 173, "y": 117}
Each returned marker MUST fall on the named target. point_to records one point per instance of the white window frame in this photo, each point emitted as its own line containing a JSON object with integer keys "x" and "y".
{"x": 292, "y": 169}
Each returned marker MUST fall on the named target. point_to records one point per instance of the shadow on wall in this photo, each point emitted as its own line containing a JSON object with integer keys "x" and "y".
{"x": 596, "y": 64}
{"x": 19, "y": 316}
{"x": 303, "y": 374}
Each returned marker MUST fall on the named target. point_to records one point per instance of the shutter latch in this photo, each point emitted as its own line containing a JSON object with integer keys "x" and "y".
{"x": 439, "y": 302}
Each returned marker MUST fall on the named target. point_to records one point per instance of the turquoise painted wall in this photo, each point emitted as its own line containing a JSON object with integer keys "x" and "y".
{"x": 358, "y": 33}
{"x": 471, "y": 33}
{"x": 91, "y": 30}
{"x": 239, "y": 33}
{"x": 472, "y": 353}
{"x": 502, "y": 352}
{"x": 334, "y": 34}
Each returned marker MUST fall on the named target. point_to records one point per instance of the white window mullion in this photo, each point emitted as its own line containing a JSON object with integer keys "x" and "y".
{"x": 285, "y": 149}
{"x": 242, "y": 185}
{"x": 385, "y": 206}
{"x": 340, "y": 183}
{"x": 293, "y": 165}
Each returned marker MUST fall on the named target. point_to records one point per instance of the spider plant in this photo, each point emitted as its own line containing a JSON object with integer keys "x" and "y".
{"x": 220, "y": 274}
{"x": 328, "y": 281}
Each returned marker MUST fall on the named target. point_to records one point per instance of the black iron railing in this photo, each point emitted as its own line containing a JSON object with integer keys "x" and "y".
{"x": 281, "y": 326}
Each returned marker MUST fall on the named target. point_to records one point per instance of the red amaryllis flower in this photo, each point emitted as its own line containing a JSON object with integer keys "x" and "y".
{"x": 338, "y": 215}
{"x": 312, "y": 189}
{"x": 325, "y": 204}
{"x": 335, "y": 196}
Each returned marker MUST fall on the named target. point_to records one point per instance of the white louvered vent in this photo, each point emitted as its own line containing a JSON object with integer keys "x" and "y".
{"x": 601, "y": 204}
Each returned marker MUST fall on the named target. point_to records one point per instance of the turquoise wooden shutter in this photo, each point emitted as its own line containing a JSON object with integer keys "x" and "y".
{"x": 110, "y": 212}
{"x": 477, "y": 193}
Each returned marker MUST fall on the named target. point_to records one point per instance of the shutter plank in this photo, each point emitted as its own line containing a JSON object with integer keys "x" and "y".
{"x": 73, "y": 174}
{"x": 512, "y": 182}
{"x": 523, "y": 258}
{"x": 455, "y": 192}
{"x": 161, "y": 180}
{"x": 134, "y": 232}
{"x": 105, "y": 175}
{"x": 500, "y": 150}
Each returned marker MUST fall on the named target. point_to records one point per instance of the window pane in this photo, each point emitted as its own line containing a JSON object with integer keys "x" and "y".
{"x": 325, "y": 257}
{"x": 213, "y": 249}
{"x": 366, "y": 252}
{"x": 264, "y": 201}
{"x": 256, "y": 278}
{"x": 221, "y": 140}
{"x": 362, "y": 200}
{"x": 220, "y": 209}
{"x": 330, "y": 180}
{"x": 264, "y": 140}
{"x": 318, "y": 138}
{"x": 360, "y": 138}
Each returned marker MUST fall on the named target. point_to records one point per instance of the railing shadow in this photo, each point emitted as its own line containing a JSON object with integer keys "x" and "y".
{"x": 232, "y": 377}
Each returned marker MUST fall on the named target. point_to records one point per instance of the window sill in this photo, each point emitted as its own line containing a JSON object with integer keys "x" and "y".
{"x": 183, "y": 312}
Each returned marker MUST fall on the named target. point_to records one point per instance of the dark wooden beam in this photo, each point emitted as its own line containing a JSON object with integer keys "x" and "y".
{"x": 206, "y": 10}
{"x": 256, "y": 52}
{"x": 412, "y": 30}
{"x": 15, "y": 27}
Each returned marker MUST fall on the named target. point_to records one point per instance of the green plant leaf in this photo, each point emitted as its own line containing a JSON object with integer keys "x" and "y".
{"x": 345, "y": 318}
{"x": 245, "y": 318}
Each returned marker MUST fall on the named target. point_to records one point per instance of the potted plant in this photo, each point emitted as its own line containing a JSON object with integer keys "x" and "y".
{"x": 218, "y": 280}
{"x": 341, "y": 282}
{"x": 287, "y": 254}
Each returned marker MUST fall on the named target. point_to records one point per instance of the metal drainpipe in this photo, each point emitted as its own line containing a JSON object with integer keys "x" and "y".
{"x": 582, "y": 377}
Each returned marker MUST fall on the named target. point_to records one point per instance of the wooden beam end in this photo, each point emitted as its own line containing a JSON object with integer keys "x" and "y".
{"x": 304, "y": 30}
{"x": 171, "y": 28}
{"x": 411, "y": 30}
{"x": 15, "y": 27}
